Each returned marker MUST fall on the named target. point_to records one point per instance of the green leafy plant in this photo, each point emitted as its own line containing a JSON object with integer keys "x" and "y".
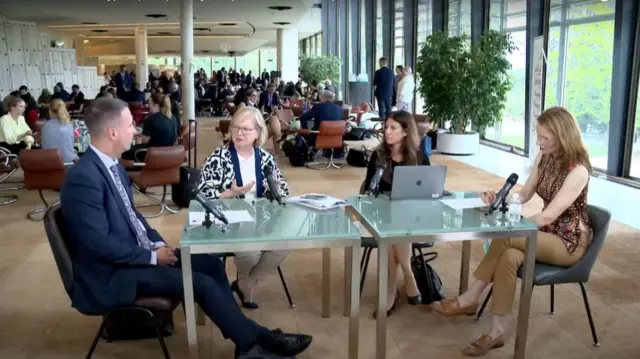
{"x": 465, "y": 84}
{"x": 320, "y": 68}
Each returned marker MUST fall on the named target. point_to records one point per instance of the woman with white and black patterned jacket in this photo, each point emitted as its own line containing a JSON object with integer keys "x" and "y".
{"x": 236, "y": 170}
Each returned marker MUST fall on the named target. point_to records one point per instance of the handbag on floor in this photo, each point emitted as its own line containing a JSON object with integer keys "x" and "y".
{"x": 428, "y": 281}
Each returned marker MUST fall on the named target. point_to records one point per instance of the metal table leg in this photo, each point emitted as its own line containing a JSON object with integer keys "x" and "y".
{"x": 464, "y": 266}
{"x": 354, "y": 300}
{"x": 326, "y": 282}
{"x": 525, "y": 296}
{"x": 381, "y": 322}
{"x": 187, "y": 282}
{"x": 348, "y": 273}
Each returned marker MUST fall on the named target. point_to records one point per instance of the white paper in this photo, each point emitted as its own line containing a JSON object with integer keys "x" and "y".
{"x": 232, "y": 216}
{"x": 464, "y": 203}
{"x": 326, "y": 202}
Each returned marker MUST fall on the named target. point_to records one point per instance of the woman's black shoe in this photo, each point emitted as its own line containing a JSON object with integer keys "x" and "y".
{"x": 236, "y": 289}
{"x": 390, "y": 311}
{"x": 414, "y": 300}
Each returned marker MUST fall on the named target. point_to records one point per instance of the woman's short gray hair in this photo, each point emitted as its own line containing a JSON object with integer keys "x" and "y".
{"x": 259, "y": 123}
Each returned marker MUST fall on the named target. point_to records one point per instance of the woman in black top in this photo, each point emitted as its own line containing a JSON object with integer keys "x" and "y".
{"x": 400, "y": 147}
{"x": 160, "y": 129}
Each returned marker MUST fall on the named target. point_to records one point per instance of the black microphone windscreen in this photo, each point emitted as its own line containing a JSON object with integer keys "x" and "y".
{"x": 513, "y": 178}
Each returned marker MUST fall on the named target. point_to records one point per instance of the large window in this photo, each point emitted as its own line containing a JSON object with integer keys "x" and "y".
{"x": 398, "y": 34}
{"x": 579, "y": 68}
{"x": 459, "y": 17}
{"x": 509, "y": 16}
{"x": 424, "y": 30}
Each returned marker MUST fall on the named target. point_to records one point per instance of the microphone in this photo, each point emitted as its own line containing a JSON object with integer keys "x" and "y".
{"x": 208, "y": 206}
{"x": 375, "y": 180}
{"x": 502, "y": 195}
{"x": 271, "y": 182}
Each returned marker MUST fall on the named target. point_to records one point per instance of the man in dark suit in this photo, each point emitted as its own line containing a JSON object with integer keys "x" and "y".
{"x": 384, "y": 82}
{"x": 269, "y": 100}
{"x": 117, "y": 256}
{"x": 326, "y": 110}
{"x": 123, "y": 82}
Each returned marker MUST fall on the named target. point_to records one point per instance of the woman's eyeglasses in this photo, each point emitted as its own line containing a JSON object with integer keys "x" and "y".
{"x": 241, "y": 129}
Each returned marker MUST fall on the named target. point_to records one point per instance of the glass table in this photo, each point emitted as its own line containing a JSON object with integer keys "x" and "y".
{"x": 409, "y": 221}
{"x": 274, "y": 227}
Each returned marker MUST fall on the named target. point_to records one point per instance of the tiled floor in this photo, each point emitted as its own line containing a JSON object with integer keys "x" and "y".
{"x": 36, "y": 320}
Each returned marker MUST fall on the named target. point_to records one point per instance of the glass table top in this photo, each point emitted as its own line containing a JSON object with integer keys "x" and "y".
{"x": 271, "y": 222}
{"x": 429, "y": 216}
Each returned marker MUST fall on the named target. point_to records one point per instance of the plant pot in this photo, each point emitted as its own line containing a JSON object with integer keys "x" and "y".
{"x": 458, "y": 144}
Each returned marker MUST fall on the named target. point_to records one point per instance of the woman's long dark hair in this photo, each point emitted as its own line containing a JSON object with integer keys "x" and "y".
{"x": 410, "y": 146}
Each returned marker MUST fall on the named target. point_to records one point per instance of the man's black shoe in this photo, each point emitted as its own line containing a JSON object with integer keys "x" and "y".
{"x": 257, "y": 352}
{"x": 286, "y": 344}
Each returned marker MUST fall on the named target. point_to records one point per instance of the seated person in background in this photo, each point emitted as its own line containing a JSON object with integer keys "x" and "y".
{"x": 28, "y": 99}
{"x": 77, "y": 97}
{"x": 400, "y": 147}
{"x": 135, "y": 95}
{"x": 160, "y": 129}
{"x": 324, "y": 111}
{"x": 235, "y": 170}
{"x": 58, "y": 133}
{"x": 117, "y": 256}
{"x": 45, "y": 97}
{"x": 15, "y": 134}
{"x": 240, "y": 95}
{"x": 273, "y": 123}
{"x": 60, "y": 92}
{"x": 111, "y": 92}
{"x": 560, "y": 177}
{"x": 103, "y": 92}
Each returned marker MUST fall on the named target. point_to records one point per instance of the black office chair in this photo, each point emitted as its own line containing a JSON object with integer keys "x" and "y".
{"x": 369, "y": 244}
{"x": 226, "y": 255}
{"x": 150, "y": 306}
{"x": 546, "y": 274}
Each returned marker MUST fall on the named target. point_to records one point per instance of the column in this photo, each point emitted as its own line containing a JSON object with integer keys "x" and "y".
{"x": 78, "y": 44}
{"x": 330, "y": 27}
{"x": 388, "y": 13}
{"x": 101, "y": 69}
{"x": 142, "y": 68}
{"x": 186, "y": 41}
{"x": 439, "y": 15}
{"x": 287, "y": 44}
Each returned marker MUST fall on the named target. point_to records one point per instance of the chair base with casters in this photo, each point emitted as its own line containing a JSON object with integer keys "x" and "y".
{"x": 226, "y": 255}
{"x": 596, "y": 343}
{"x": 369, "y": 244}
{"x": 39, "y": 213}
{"x": 325, "y": 164}
{"x": 156, "y": 202}
{"x": 7, "y": 169}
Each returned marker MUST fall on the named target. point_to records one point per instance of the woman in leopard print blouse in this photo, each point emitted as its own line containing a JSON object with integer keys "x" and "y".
{"x": 560, "y": 177}
{"x": 236, "y": 170}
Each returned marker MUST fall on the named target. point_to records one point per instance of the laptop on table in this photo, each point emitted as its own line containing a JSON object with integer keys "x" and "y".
{"x": 418, "y": 182}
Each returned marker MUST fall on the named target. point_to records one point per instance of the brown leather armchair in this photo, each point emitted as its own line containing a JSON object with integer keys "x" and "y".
{"x": 329, "y": 137}
{"x": 223, "y": 128}
{"x": 43, "y": 170}
{"x": 161, "y": 168}
{"x": 188, "y": 140}
{"x": 9, "y": 164}
{"x": 297, "y": 111}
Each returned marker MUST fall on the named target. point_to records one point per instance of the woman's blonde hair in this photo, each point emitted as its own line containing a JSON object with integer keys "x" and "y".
{"x": 260, "y": 125}
{"x": 58, "y": 109}
{"x": 164, "y": 102}
{"x": 564, "y": 128}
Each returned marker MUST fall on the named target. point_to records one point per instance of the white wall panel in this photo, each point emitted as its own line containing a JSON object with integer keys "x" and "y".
{"x": 16, "y": 54}
{"x": 32, "y": 58}
{"x": 5, "y": 73}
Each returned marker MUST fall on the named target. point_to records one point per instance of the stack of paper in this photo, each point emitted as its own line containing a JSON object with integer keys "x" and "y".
{"x": 464, "y": 203}
{"x": 317, "y": 201}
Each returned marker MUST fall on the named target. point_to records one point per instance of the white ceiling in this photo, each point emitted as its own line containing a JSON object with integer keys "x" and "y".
{"x": 254, "y": 22}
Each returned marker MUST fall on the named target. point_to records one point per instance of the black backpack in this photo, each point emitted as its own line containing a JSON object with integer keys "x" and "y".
{"x": 428, "y": 281}
{"x": 297, "y": 150}
{"x": 189, "y": 177}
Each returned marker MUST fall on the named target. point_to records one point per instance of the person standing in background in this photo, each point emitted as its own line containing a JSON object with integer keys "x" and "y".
{"x": 399, "y": 71}
{"x": 384, "y": 83}
{"x": 406, "y": 86}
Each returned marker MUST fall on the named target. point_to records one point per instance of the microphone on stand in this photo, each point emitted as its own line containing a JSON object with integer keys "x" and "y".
{"x": 374, "y": 185}
{"x": 273, "y": 186}
{"x": 208, "y": 206}
{"x": 501, "y": 197}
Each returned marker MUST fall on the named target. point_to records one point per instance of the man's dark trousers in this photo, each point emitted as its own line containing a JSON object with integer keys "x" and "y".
{"x": 211, "y": 291}
{"x": 384, "y": 106}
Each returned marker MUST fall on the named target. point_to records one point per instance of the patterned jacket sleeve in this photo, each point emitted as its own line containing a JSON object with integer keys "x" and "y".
{"x": 282, "y": 183}
{"x": 212, "y": 177}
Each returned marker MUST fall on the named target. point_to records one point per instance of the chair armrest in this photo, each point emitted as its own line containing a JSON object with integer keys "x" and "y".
{"x": 139, "y": 164}
{"x": 135, "y": 154}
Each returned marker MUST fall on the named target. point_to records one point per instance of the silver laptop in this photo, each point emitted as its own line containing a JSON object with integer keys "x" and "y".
{"x": 418, "y": 182}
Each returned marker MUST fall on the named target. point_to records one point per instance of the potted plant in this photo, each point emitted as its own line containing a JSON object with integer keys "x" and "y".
{"x": 464, "y": 86}
{"x": 320, "y": 68}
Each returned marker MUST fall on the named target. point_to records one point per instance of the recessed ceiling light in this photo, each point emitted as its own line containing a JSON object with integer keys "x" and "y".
{"x": 89, "y": 23}
{"x": 201, "y": 29}
{"x": 227, "y": 24}
{"x": 156, "y": 16}
{"x": 205, "y": 51}
{"x": 163, "y": 33}
{"x": 280, "y": 8}
{"x": 281, "y": 23}
{"x": 99, "y": 30}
